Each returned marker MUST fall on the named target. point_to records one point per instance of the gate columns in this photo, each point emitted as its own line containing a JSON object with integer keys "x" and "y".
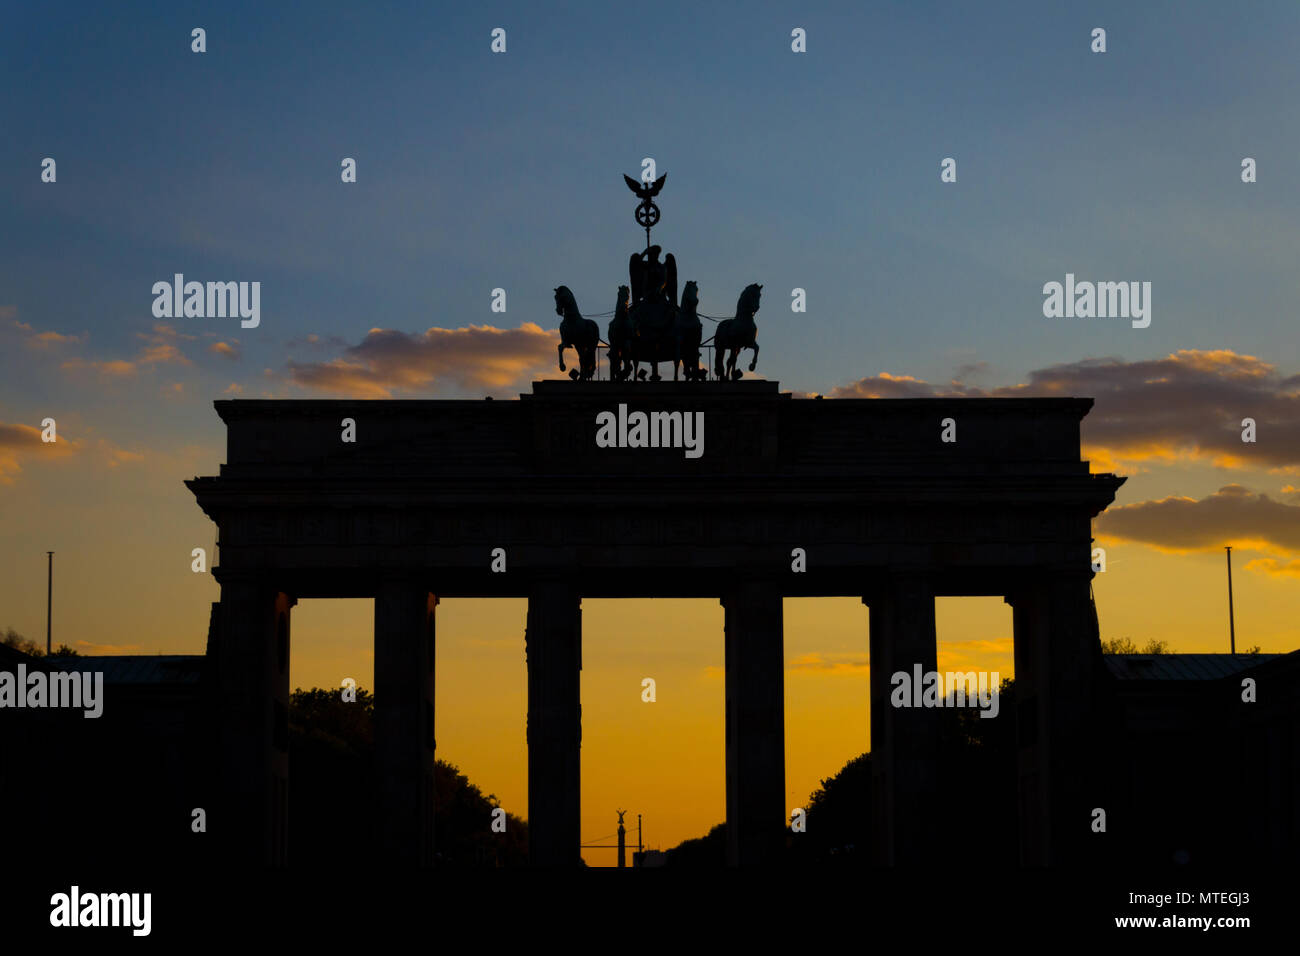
{"x": 755, "y": 679}
{"x": 904, "y": 740}
{"x": 1058, "y": 655}
{"x": 553, "y": 644}
{"x": 248, "y": 648}
{"x": 404, "y": 761}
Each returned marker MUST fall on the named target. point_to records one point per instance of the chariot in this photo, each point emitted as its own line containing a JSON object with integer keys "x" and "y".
{"x": 650, "y": 325}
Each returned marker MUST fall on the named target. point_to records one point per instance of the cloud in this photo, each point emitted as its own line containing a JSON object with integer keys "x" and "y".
{"x": 829, "y": 664}
{"x": 22, "y": 444}
{"x": 1274, "y": 567}
{"x": 980, "y": 654}
{"x": 886, "y": 385}
{"x": 1233, "y": 515}
{"x": 110, "y": 370}
{"x": 19, "y": 436}
{"x": 388, "y": 360}
{"x": 164, "y": 354}
{"x": 1189, "y": 404}
{"x": 44, "y": 340}
{"x": 225, "y": 350}
{"x": 114, "y": 456}
{"x": 162, "y": 347}
{"x": 314, "y": 341}
{"x": 19, "y": 442}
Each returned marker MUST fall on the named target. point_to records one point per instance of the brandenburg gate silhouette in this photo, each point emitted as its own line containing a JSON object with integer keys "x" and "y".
{"x": 883, "y": 507}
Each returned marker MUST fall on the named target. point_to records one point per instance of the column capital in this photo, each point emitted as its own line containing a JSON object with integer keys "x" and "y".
{"x": 1039, "y": 585}
{"x": 890, "y": 583}
{"x": 745, "y": 590}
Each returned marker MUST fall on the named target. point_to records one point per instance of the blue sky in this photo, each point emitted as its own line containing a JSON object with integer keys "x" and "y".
{"x": 818, "y": 171}
{"x": 479, "y": 170}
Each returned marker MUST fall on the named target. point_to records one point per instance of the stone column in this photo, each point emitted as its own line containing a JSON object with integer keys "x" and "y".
{"x": 248, "y": 652}
{"x": 1058, "y": 657}
{"x": 404, "y": 744}
{"x": 755, "y": 665}
{"x": 904, "y": 740}
{"x": 553, "y": 645}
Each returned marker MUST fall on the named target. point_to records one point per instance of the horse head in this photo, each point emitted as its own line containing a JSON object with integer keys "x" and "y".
{"x": 748, "y": 303}
{"x": 564, "y": 300}
{"x": 690, "y": 297}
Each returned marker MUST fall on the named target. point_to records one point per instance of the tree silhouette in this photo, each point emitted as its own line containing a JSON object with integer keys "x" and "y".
{"x": 1124, "y": 645}
{"x": 333, "y": 795}
{"x": 701, "y": 852}
{"x": 977, "y": 767}
{"x": 19, "y": 643}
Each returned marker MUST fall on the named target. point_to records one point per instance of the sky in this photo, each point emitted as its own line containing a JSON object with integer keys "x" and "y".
{"x": 478, "y": 171}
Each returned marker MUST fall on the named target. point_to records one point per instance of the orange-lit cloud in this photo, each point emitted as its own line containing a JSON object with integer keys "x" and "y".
{"x": 162, "y": 347}
{"x": 19, "y": 442}
{"x": 164, "y": 353}
{"x": 44, "y": 340}
{"x": 1233, "y": 515}
{"x": 110, "y": 370}
{"x": 829, "y": 664}
{"x": 1274, "y": 567}
{"x": 114, "y": 456}
{"x": 1189, "y": 404}
{"x": 225, "y": 350}
{"x": 22, "y": 444}
{"x": 980, "y": 654}
{"x": 477, "y": 357}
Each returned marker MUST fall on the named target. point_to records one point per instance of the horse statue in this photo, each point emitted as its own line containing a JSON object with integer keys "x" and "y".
{"x": 581, "y": 334}
{"x": 687, "y": 334}
{"x": 620, "y": 339}
{"x": 736, "y": 334}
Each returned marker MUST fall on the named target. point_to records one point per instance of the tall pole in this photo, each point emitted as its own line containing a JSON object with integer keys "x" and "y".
{"x": 1232, "y": 626}
{"x": 49, "y": 600}
{"x": 622, "y": 841}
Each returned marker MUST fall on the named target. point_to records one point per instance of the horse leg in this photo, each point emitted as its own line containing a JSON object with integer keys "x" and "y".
{"x": 755, "y": 360}
{"x": 560, "y": 349}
